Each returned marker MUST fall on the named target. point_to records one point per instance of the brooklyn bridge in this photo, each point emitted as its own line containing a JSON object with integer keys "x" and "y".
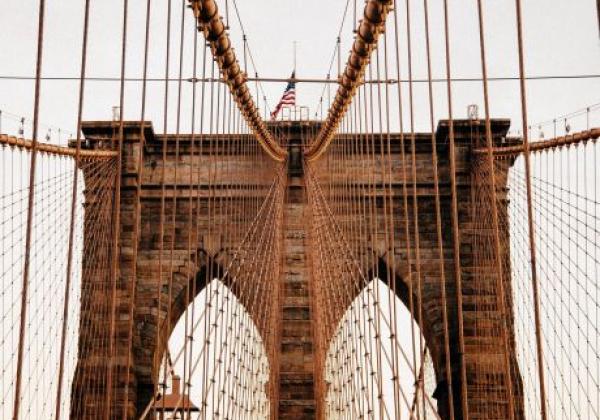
{"x": 416, "y": 245}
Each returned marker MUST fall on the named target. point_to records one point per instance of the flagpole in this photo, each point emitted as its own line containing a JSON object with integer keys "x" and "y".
{"x": 295, "y": 42}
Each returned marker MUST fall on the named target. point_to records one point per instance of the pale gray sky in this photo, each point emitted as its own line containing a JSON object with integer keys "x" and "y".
{"x": 561, "y": 39}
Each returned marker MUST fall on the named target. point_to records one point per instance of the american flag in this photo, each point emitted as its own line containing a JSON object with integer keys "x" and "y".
{"x": 288, "y": 98}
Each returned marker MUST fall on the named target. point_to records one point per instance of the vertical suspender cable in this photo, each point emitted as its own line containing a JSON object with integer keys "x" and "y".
{"x": 415, "y": 204}
{"x": 530, "y": 216}
{"x": 192, "y": 254}
{"x": 405, "y": 193}
{"x": 495, "y": 221}
{"x": 208, "y": 283}
{"x": 455, "y": 225}
{"x": 30, "y": 203}
{"x": 385, "y": 154}
{"x": 114, "y": 272}
{"x": 160, "y": 342}
{"x": 198, "y": 190}
{"x": 391, "y": 272}
{"x": 438, "y": 218}
{"x": 374, "y": 230}
{"x": 76, "y": 162}
{"x": 174, "y": 188}
{"x": 137, "y": 207}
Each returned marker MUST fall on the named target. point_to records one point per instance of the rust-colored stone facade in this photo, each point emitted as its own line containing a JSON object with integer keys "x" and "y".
{"x": 296, "y": 396}
{"x": 296, "y": 372}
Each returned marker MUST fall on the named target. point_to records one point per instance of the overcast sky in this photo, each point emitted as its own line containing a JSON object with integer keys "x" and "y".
{"x": 561, "y": 39}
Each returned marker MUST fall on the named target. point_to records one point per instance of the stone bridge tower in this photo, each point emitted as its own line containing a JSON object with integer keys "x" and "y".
{"x": 297, "y": 379}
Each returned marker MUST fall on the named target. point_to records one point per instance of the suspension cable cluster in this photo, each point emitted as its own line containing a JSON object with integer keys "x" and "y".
{"x": 368, "y": 32}
{"x": 211, "y": 24}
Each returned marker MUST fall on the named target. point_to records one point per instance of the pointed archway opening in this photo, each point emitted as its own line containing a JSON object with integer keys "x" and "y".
{"x": 378, "y": 364}
{"x": 216, "y": 363}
